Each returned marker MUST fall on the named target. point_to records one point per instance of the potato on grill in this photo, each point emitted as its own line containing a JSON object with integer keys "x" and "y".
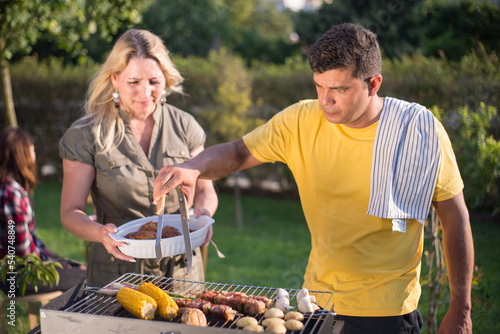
{"x": 246, "y": 321}
{"x": 137, "y": 303}
{"x": 167, "y": 308}
{"x": 294, "y": 325}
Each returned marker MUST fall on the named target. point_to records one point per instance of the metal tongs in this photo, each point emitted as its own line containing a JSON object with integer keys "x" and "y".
{"x": 159, "y": 211}
{"x": 185, "y": 228}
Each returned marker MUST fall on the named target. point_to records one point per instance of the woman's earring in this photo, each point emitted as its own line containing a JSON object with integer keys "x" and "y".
{"x": 116, "y": 99}
{"x": 163, "y": 98}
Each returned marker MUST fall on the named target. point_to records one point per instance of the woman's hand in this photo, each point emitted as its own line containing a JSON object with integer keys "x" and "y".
{"x": 204, "y": 212}
{"x": 112, "y": 245}
{"x": 201, "y": 212}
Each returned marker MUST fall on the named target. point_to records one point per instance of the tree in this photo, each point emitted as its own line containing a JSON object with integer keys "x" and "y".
{"x": 394, "y": 22}
{"x": 64, "y": 23}
{"x": 455, "y": 28}
{"x": 252, "y": 29}
{"x": 427, "y": 27}
{"x": 188, "y": 27}
{"x": 264, "y": 34}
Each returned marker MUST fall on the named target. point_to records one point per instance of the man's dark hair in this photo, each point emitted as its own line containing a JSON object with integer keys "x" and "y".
{"x": 347, "y": 45}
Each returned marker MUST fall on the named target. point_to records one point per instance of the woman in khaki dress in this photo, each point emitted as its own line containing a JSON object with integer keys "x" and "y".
{"x": 115, "y": 151}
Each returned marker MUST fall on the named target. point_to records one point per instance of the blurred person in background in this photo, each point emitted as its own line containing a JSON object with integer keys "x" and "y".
{"x": 18, "y": 180}
{"x": 128, "y": 133}
{"x": 368, "y": 169}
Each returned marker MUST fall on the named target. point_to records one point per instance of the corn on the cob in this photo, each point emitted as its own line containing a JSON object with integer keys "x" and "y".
{"x": 167, "y": 308}
{"x": 137, "y": 303}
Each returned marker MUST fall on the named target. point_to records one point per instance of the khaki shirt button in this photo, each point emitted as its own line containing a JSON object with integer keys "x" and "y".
{"x": 149, "y": 174}
{"x": 182, "y": 153}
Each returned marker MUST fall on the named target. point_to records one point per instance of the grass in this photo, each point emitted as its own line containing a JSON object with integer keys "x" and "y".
{"x": 271, "y": 249}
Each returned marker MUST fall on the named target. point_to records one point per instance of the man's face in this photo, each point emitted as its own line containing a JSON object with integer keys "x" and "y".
{"x": 343, "y": 98}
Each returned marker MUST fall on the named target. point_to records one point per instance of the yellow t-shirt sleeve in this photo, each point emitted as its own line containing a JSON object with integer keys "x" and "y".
{"x": 271, "y": 141}
{"x": 449, "y": 182}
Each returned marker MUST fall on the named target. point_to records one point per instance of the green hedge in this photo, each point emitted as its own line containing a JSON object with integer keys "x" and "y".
{"x": 466, "y": 94}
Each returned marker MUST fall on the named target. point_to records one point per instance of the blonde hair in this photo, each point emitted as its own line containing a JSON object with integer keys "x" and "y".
{"x": 107, "y": 125}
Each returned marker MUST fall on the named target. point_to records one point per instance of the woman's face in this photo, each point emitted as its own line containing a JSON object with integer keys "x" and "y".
{"x": 32, "y": 151}
{"x": 140, "y": 85}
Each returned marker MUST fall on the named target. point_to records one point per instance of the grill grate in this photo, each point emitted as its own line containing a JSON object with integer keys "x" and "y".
{"x": 96, "y": 304}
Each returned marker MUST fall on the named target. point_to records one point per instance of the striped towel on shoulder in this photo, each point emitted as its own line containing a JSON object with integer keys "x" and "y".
{"x": 406, "y": 157}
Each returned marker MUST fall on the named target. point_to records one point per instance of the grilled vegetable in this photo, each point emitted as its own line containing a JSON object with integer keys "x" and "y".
{"x": 282, "y": 293}
{"x": 294, "y": 316}
{"x": 137, "y": 303}
{"x": 274, "y": 313}
{"x": 276, "y": 328}
{"x": 294, "y": 325}
{"x": 305, "y": 305}
{"x": 268, "y": 321}
{"x": 283, "y": 304}
{"x": 112, "y": 288}
{"x": 254, "y": 328}
{"x": 167, "y": 308}
{"x": 194, "y": 317}
{"x": 246, "y": 321}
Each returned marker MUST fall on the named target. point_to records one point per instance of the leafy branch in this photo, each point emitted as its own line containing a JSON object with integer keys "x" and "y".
{"x": 30, "y": 269}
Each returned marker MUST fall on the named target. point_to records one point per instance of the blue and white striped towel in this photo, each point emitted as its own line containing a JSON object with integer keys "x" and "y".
{"x": 406, "y": 157}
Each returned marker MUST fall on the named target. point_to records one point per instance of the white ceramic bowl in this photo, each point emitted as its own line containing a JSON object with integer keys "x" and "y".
{"x": 145, "y": 249}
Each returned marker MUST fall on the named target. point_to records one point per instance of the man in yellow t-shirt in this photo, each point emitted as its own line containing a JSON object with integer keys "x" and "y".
{"x": 328, "y": 144}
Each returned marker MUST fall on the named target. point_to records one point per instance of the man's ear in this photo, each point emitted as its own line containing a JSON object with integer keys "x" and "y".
{"x": 374, "y": 84}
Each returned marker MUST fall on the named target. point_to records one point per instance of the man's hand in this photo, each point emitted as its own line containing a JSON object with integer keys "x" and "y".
{"x": 458, "y": 248}
{"x": 172, "y": 176}
{"x": 456, "y": 321}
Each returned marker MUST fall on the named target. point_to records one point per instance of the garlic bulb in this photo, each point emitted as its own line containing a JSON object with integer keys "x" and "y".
{"x": 305, "y": 305}
{"x": 282, "y": 293}
{"x": 282, "y": 303}
{"x": 302, "y": 293}
{"x": 305, "y": 293}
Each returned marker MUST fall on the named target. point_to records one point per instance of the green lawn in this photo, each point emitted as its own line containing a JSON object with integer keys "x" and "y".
{"x": 271, "y": 249}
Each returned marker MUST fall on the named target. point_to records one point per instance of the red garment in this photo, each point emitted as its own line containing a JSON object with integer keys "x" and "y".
{"x": 17, "y": 222}
{"x": 18, "y": 237}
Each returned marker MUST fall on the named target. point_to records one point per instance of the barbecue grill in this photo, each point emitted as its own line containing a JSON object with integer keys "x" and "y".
{"x": 84, "y": 310}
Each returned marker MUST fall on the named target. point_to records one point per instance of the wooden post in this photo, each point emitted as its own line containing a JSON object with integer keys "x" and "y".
{"x": 237, "y": 201}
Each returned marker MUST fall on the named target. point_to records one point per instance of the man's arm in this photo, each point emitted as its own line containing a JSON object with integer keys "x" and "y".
{"x": 459, "y": 255}
{"x": 213, "y": 163}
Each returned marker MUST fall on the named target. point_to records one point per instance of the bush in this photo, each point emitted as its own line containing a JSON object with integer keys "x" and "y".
{"x": 48, "y": 97}
{"x": 438, "y": 81}
{"x": 478, "y": 156}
